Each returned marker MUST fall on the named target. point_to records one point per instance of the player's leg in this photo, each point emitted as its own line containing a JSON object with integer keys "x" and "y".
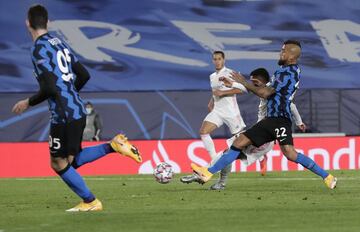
{"x": 256, "y": 135}
{"x": 73, "y": 179}
{"x": 118, "y": 144}
{"x": 235, "y": 125}
{"x": 90, "y": 154}
{"x": 206, "y": 128}
{"x": 258, "y": 153}
{"x": 282, "y": 130}
{"x": 65, "y": 141}
{"x": 210, "y": 123}
{"x": 297, "y": 157}
{"x": 227, "y": 158}
{"x": 232, "y": 154}
{"x": 263, "y": 164}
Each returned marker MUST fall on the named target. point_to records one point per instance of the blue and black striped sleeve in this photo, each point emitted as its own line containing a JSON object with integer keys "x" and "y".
{"x": 283, "y": 81}
{"x": 41, "y": 58}
{"x": 46, "y": 78}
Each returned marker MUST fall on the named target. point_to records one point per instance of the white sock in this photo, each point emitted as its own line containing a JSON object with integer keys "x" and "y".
{"x": 209, "y": 145}
{"x": 216, "y": 158}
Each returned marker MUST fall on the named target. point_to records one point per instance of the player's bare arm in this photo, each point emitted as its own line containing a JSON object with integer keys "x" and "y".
{"x": 263, "y": 92}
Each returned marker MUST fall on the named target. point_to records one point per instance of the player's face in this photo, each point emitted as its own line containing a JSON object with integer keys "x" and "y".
{"x": 284, "y": 55}
{"x": 257, "y": 82}
{"x": 218, "y": 61}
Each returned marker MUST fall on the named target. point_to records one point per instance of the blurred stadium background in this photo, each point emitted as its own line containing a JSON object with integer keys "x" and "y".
{"x": 150, "y": 62}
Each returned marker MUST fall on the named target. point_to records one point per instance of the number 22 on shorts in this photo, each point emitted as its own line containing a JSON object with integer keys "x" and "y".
{"x": 280, "y": 132}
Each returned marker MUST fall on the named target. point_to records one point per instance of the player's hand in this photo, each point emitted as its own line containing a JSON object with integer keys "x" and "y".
{"x": 218, "y": 93}
{"x": 227, "y": 82}
{"x": 21, "y": 106}
{"x": 302, "y": 127}
{"x": 238, "y": 77}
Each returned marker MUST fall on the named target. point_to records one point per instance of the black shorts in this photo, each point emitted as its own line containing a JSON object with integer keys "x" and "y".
{"x": 65, "y": 139}
{"x": 270, "y": 129}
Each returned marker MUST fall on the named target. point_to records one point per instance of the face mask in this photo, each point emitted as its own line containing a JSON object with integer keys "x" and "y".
{"x": 89, "y": 110}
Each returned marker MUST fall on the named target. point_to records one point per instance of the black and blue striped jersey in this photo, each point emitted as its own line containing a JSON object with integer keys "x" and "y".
{"x": 285, "y": 82}
{"x": 50, "y": 54}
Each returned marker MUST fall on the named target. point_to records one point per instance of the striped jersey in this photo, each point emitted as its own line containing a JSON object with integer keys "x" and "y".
{"x": 50, "y": 54}
{"x": 285, "y": 82}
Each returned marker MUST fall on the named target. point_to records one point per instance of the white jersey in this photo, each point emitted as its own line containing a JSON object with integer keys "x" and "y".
{"x": 262, "y": 109}
{"x": 226, "y": 109}
{"x": 227, "y": 105}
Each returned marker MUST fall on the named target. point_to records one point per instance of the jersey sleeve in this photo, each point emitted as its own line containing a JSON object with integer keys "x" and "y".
{"x": 282, "y": 82}
{"x": 237, "y": 85}
{"x": 41, "y": 58}
{"x": 295, "y": 114}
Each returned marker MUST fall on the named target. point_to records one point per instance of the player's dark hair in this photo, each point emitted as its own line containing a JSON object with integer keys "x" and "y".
{"x": 219, "y": 52}
{"x": 293, "y": 42}
{"x": 38, "y": 17}
{"x": 262, "y": 74}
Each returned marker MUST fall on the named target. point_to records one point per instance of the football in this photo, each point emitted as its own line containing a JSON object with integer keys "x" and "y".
{"x": 163, "y": 173}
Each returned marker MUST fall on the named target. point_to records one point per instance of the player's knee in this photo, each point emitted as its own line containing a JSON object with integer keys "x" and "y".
{"x": 238, "y": 144}
{"x": 289, "y": 152}
{"x": 58, "y": 164}
{"x": 241, "y": 142}
{"x": 204, "y": 131}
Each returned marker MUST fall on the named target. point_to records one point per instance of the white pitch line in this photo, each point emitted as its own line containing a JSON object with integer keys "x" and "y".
{"x": 143, "y": 179}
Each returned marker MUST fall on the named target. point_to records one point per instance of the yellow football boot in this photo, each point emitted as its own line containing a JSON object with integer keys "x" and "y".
{"x": 330, "y": 181}
{"x": 95, "y": 205}
{"x": 121, "y": 145}
{"x": 203, "y": 172}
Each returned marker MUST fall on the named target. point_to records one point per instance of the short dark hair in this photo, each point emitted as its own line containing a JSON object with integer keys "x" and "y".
{"x": 38, "y": 17}
{"x": 262, "y": 74}
{"x": 296, "y": 42}
{"x": 219, "y": 52}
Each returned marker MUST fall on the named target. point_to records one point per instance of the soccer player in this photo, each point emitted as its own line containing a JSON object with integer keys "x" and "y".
{"x": 223, "y": 109}
{"x": 277, "y": 123}
{"x": 259, "y": 77}
{"x": 61, "y": 76}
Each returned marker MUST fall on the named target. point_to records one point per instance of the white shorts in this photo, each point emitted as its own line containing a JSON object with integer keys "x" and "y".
{"x": 252, "y": 153}
{"x": 234, "y": 122}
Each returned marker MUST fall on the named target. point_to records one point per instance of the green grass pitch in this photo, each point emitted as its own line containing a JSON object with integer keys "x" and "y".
{"x": 281, "y": 201}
